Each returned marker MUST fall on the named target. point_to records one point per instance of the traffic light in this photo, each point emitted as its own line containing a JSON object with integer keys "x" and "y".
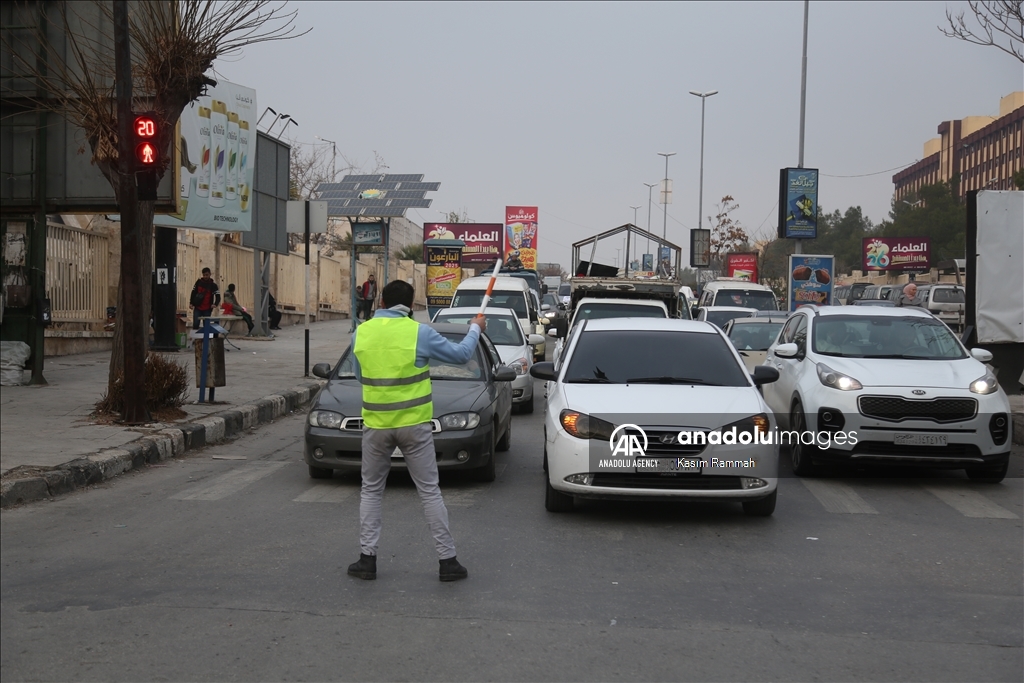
{"x": 147, "y": 155}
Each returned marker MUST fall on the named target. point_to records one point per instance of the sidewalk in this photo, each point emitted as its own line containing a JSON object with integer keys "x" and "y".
{"x": 49, "y": 444}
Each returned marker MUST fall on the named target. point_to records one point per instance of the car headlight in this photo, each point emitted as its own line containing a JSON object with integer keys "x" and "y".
{"x": 325, "y": 418}
{"x": 986, "y": 384}
{"x": 520, "y": 365}
{"x": 460, "y": 421}
{"x": 584, "y": 426}
{"x": 837, "y": 380}
{"x": 749, "y": 425}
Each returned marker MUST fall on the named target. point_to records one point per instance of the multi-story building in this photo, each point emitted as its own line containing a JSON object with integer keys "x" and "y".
{"x": 976, "y": 153}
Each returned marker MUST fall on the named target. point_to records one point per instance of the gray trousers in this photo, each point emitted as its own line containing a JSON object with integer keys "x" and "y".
{"x": 417, "y": 446}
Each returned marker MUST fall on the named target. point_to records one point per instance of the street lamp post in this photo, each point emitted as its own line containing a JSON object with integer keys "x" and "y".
{"x": 700, "y": 197}
{"x": 650, "y": 189}
{"x": 799, "y": 247}
{"x": 666, "y": 195}
{"x": 334, "y": 156}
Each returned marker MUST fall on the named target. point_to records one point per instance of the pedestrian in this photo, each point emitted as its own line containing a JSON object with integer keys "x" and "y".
{"x": 274, "y": 314}
{"x": 366, "y": 296}
{"x": 392, "y": 356}
{"x": 908, "y": 296}
{"x": 236, "y": 308}
{"x": 205, "y": 295}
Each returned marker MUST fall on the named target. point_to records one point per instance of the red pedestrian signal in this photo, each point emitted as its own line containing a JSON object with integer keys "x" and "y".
{"x": 145, "y": 130}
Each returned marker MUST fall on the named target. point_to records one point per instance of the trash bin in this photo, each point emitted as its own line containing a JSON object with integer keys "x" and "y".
{"x": 215, "y": 376}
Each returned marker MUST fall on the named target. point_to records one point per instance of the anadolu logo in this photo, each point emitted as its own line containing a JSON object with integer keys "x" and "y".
{"x": 628, "y": 444}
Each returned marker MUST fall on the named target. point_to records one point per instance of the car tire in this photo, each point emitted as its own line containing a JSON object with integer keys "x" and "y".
{"x": 320, "y": 472}
{"x": 505, "y": 442}
{"x": 556, "y": 501}
{"x": 526, "y": 407}
{"x": 762, "y": 507}
{"x": 545, "y": 461}
{"x": 800, "y": 454}
{"x": 486, "y": 473}
{"x": 989, "y": 475}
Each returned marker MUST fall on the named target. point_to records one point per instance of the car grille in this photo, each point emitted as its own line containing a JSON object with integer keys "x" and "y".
{"x": 355, "y": 424}
{"x": 896, "y": 409}
{"x": 675, "y": 482}
{"x": 661, "y": 443}
{"x": 887, "y": 448}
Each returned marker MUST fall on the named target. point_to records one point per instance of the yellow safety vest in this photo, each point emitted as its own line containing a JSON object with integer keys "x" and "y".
{"x": 396, "y": 393}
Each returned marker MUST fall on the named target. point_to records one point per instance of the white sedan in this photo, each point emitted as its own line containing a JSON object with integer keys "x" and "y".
{"x": 630, "y": 417}
{"x": 516, "y": 351}
{"x": 889, "y": 385}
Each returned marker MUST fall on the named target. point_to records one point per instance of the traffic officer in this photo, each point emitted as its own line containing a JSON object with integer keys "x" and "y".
{"x": 392, "y": 361}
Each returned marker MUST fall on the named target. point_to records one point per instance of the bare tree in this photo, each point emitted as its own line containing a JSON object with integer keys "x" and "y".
{"x": 1000, "y": 24}
{"x": 173, "y": 47}
{"x": 727, "y": 234}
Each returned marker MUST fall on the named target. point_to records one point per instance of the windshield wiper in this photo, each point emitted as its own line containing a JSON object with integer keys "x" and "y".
{"x": 667, "y": 379}
{"x": 589, "y": 380}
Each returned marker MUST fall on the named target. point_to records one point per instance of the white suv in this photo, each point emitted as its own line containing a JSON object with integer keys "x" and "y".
{"x": 887, "y": 385}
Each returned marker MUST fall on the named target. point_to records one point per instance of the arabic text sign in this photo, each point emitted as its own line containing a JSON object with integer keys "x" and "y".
{"x": 368, "y": 234}
{"x": 896, "y": 253}
{"x": 521, "y": 234}
{"x": 810, "y": 280}
{"x": 218, "y": 145}
{"x": 444, "y": 273}
{"x": 742, "y": 266}
{"x": 798, "y": 203}
{"x": 483, "y": 240}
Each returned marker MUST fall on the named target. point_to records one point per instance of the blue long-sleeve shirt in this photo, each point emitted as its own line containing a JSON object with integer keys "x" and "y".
{"x": 429, "y": 344}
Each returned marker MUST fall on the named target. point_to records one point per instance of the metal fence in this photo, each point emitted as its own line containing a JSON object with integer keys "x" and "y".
{"x": 236, "y": 269}
{"x": 76, "y": 274}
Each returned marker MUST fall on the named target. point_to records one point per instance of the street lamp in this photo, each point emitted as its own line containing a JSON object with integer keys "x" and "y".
{"x": 334, "y": 156}
{"x": 264, "y": 114}
{"x": 280, "y": 117}
{"x": 666, "y": 196}
{"x": 650, "y": 188}
{"x": 286, "y": 123}
{"x": 700, "y": 198}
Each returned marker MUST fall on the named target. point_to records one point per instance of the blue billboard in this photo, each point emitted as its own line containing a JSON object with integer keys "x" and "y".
{"x": 798, "y": 203}
{"x": 810, "y": 280}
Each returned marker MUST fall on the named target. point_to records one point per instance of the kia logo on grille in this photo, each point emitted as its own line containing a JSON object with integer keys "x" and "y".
{"x": 667, "y": 438}
{"x": 918, "y": 392}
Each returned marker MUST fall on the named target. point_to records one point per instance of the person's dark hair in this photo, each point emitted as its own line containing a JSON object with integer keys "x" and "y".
{"x": 231, "y": 288}
{"x": 397, "y": 293}
{"x": 206, "y": 271}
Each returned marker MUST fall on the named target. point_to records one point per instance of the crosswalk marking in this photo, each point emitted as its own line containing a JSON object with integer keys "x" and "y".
{"x": 837, "y": 497}
{"x": 325, "y": 492}
{"x": 970, "y": 503}
{"x": 229, "y": 482}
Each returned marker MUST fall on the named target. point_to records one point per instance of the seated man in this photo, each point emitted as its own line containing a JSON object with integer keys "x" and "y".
{"x": 833, "y": 339}
{"x": 232, "y": 307}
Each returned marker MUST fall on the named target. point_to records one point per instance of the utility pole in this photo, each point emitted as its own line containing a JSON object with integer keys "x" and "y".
{"x": 799, "y": 248}
{"x": 650, "y": 189}
{"x": 334, "y": 157}
{"x": 700, "y": 200}
{"x": 666, "y": 199}
{"x": 130, "y": 319}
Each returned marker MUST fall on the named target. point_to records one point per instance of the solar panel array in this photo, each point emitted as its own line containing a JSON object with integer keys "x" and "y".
{"x": 381, "y": 195}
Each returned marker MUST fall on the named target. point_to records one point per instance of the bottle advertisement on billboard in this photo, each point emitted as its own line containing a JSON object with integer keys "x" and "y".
{"x": 217, "y": 148}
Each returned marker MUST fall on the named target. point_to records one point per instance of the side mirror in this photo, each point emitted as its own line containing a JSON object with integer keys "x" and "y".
{"x": 322, "y": 370}
{"x": 764, "y": 374}
{"x": 545, "y": 370}
{"x": 535, "y": 339}
{"x": 551, "y": 333}
{"x": 982, "y": 355}
{"x": 504, "y": 374}
{"x": 789, "y": 350}
{"x": 545, "y": 307}
{"x": 694, "y": 312}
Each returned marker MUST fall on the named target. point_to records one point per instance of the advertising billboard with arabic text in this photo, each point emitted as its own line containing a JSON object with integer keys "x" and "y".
{"x": 897, "y": 253}
{"x": 521, "y": 234}
{"x": 810, "y": 280}
{"x": 483, "y": 240}
{"x": 798, "y": 203}
{"x": 742, "y": 266}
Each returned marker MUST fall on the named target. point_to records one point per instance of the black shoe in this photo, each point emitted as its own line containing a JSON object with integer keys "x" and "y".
{"x": 451, "y": 570}
{"x": 365, "y": 568}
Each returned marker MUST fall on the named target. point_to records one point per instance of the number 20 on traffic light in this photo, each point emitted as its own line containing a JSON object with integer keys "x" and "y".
{"x": 145, "y": 130}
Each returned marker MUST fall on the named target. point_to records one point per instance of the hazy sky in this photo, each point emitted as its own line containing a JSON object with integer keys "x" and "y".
{"x": 566, "y": 106}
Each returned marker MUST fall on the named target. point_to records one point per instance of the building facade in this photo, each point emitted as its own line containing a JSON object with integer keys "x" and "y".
{"x": 975, "y": 153}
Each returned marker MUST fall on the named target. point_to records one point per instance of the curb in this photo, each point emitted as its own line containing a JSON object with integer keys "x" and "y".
{"x": 168, "y": 443}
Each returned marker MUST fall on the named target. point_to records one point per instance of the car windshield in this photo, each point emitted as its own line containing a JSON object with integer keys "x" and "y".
{"x": 469, "y": 371}
{"x": 564, "y": 289}
{"x": 472, "y": 298}
{"x": 643, "y": 356}
{"x": 762, "y": 301}
{"x": 598, "y": 311}
{"x": 501, "y": 329}
{"x": 720, "y": 318}
{"x": 754, "y": 336}
{"x": 884, "y": 337}
{"x": 948, "y": 295}
{"x": 530, "y": 278}
{"x": 551, "y": 300}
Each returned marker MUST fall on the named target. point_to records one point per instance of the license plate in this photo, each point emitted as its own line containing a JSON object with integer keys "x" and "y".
{"x": 672, "y": 465}
{"x": 919, "y": 439}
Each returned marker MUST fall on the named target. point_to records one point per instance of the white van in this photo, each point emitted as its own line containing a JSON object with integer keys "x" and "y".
{"x": 737, "y": 292}
{"x": 508, "y": 292}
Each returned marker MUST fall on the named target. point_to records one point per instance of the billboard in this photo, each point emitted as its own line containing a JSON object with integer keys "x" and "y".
{"x": 217, "y": 146}
{"x": 742, "y": 266}
{"x": 798, "y": 203}
{"x": 810, "y": 280}
{"x": 896, "y": 253}
{"x": 368, "y": 234}
{"x": 521, "y": 234}
{"x": 483, "y": 240}
{"x": 444, "y": 272}
{"x": 700, "y": 248}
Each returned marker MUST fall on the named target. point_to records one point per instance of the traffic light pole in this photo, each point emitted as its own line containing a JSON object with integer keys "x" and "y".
{"x": 165, "y": 289}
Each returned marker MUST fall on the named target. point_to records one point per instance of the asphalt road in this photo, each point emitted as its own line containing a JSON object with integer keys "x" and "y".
{"x": 204, "y": 569}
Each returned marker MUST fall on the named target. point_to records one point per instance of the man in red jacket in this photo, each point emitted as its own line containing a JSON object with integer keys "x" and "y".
{"x": 366, "y": 295}
{"x": 205, "y": 295}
